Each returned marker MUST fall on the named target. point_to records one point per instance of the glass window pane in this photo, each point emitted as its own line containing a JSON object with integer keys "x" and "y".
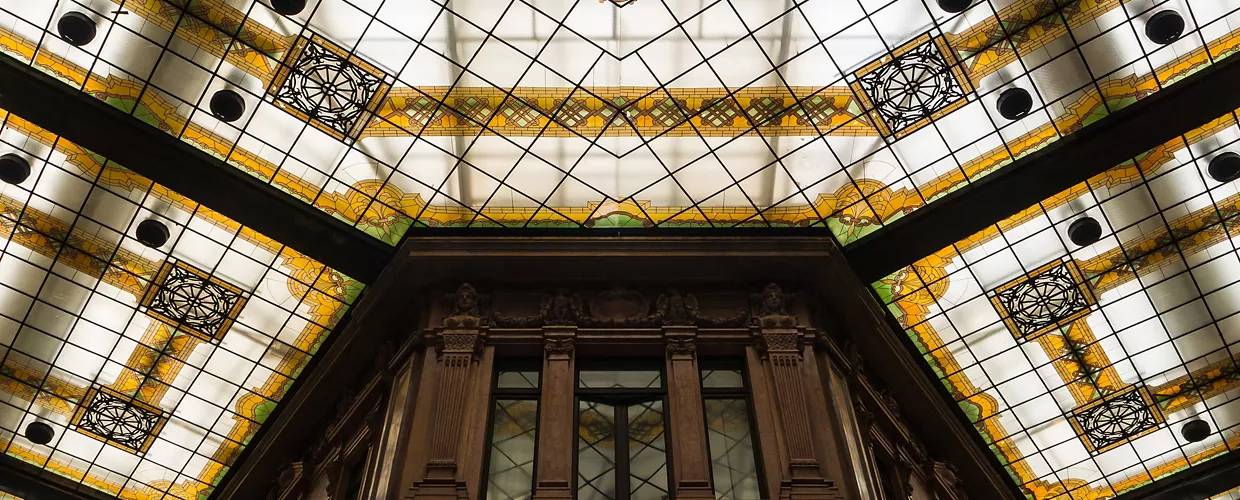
{"x": 596, "y": 451}
{"x": 643, "y": 379}
{"x": 517, "y": 380}
{"x": 722, "y": 378}
{"x": 731, "y": 450}
{"x": 511, "y": 472}
{"x": 647, "y": 452}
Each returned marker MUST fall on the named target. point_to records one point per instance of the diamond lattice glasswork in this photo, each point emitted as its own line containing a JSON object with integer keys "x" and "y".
{"x": 116, "y": 420}
{"x": 1053, "y": 295}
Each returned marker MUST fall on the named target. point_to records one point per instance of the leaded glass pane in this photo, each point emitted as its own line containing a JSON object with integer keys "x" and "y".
{"x": 596, "y": 451}
{"x": 511, "y": 472}
{"x": 517, "y": 380}
{"x": 643, "y": 379}
{"x": 647, "y": 452}
{"x": 731, "y": 450}
{"x": 723, "y": 378}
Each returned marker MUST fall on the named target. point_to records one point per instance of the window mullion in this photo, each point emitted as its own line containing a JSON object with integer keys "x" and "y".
{"x": 622, "y": 451}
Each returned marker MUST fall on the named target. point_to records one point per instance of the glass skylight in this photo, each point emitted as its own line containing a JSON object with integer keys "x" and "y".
{"x": 1082, "y": 365}
{"x": 569, "y": 113}
{"x": 154, "y": 367}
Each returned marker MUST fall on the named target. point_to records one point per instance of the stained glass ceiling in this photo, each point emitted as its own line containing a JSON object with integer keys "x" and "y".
{"x": 1087, "y": 365}
{"x": 153, "y": 367}
{"x": 563, "y": 113}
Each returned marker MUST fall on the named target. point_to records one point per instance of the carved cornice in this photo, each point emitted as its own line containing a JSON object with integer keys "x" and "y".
{"x": 619, "y": 307}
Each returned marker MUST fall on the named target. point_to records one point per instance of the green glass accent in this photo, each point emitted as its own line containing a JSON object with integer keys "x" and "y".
{"x": 263, "y": 410}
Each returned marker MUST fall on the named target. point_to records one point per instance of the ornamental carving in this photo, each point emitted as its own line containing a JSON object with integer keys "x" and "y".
{"x": 681, "y": 346}
{"x": 460, "y": 342}
{"x": 558, "y": 346}
{"x": 563, "y": 308}
{"x": 770, "y": 308}
{"x": 618, "y": 307}
{"x": 674, "y": 309}
{"x": 784, "y": 342}
{"x": 466, "y": 308}
{"x": 118, "y": 420}
{"x": 1108, "y": 423}
{"x": 193, "y": 301}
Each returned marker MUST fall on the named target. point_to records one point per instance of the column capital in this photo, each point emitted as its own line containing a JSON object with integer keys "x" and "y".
{"x": 681, "y": 342}
{"x": 771, "y": 341}
{"x": 468, "y": 341}
{"x": 559, "y": 342}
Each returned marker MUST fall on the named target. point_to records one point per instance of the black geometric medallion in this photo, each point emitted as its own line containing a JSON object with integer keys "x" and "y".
{"x": 1053, "y": 296}
{"x": 115, "y": 419}
{"x": 193, "y": 301}
{"x": 326, "y": 86}
{"x": 1108, "y": 423}
{"x": 911, "y": 87}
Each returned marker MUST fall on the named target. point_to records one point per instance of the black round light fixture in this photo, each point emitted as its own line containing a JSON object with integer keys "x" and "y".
{"x": 39, "y": 432}
{"x": 288, "y": 7}
{"x": 14, "y": 169}
{"x": 1084, "y": 231}
{"x": 76, "y": 28}
{"x": 1014, "y": 103}
{"x": 152, "y": 233}
{"x": 227, "y": 105}
{"x": 1164, "y": 27}
{"x": 1225, "y": 167}
{"x": 1195, "y": 431}
{"x": 954, "y": 6}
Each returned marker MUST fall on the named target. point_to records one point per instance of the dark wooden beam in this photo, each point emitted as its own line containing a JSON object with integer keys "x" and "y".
{"x": 1201, "y": 481}
{"x": 28, "y": 482}
{"x": 160, "y": 157}
{"x": 1125, "y": 134}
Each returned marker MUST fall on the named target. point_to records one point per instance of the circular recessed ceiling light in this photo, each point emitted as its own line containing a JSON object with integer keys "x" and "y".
{"x": 288, "y": 7}
{"x": 1225, "y": 167}
{"x": 39, "y": 432}
{"x": 1084, "y": 231}
{"x": 1195, "y": 431}
{"x": 14, "y": 169}
{"x": 1014, "y": 103}
{"x": 954, "y": 6}
{"x": 152, "y": 233}
{"x": 1164, "y": 27}
{"x": 227, "y": 105}
{"x": 76, "y": 28}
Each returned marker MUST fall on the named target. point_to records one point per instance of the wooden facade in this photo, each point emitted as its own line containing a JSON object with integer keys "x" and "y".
{"x": 417, "y": 419}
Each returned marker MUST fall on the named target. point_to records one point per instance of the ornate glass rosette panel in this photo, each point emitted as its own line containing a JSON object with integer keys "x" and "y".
{"x": 119, "y": 420}
{"x": 916, "y": 82}
{"x": 1112, "y": 421}
{"x": 1051, "y": 296}
{"x": 323, "y": 83}
{"x": 191, "y": 300}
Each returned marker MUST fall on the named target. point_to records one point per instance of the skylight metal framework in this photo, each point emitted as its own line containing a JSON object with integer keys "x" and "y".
{"x": 564, "y": 113}
{"x": 401, "y": 116}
